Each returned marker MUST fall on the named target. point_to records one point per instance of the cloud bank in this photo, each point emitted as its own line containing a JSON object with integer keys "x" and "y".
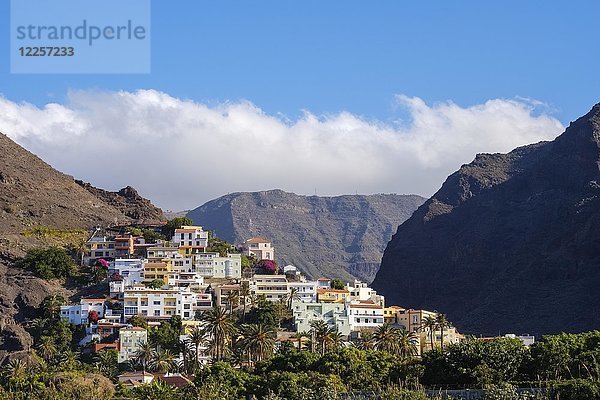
{"x": 181, "y": 153}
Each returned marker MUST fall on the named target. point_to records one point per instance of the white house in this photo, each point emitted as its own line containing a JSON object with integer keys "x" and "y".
{"x": 78, "y": 313}
{"x": 212, "y": 265}
{"x": 130, "y": 272}
{"x": 362, "y": 292}
{"x": 363, "y": 315}
{"x": 191, "y": 236}
{"x": 259, "y": 247}
{"x": 130, "y": 341}
{"x": 273, "y": 287}
{"x": 306, "y": 290}
{"x": 333, "y": 314}
{"x": 158, "y": 303}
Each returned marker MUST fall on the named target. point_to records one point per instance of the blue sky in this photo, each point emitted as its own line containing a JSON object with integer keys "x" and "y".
{"x": 286, "y": 56}
{"x": 327, "y": 75}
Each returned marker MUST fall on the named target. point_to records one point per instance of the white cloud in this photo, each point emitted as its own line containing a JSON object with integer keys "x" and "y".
{"x": 181, "y": 153}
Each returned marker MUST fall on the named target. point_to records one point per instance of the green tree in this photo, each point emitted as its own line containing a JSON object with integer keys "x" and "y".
{"x": 337, "y": 284}
{"x": 155, "y": 284}
{"x": 138, "y": 321}
{"x": 219, "y": 327}
{"x": 163, "y": 361}
{"x": 166, "y": 336}
{"x": 441, "y": 324}
{"x": 49, "y": 263}
{"x": 258, "y": 341}
{"x": 293, "y": 295}
{"x": 386, "y": 338}
{"x": 51, "y": 305}
{"x": 144, "y": 355}
{"x": 169, "y": 228}
{"x": 233, "y": 299}
{"x": 407, "y": 343}
{"x": 429, "y": 326}
{"x": 105, "y": 362}
{"x": 366, "y": 340}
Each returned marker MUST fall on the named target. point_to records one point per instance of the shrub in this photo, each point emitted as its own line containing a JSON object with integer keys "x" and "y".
{"x": 49, "y": 263}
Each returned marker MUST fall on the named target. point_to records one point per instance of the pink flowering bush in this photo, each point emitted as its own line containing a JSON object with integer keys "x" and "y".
{"x": 269, "y": 266}
{"x": 102, "y": 262}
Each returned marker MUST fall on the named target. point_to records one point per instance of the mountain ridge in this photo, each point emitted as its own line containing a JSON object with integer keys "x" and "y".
{"x": 338, "y": 236}
{"x": 508, "y": 242}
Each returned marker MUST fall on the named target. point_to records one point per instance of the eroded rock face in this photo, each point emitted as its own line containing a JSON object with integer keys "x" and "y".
{"x": 341, "y": 237}
{"x": 510, "y": 243}
{"x": 128, "y": 201}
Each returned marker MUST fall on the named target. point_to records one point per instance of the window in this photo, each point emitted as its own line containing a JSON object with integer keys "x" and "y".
{"x": 156, "y": 302}
{"x": 157, "y": 313}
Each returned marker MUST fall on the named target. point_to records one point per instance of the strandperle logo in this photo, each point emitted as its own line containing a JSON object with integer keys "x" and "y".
{"x": 85, "y": 31}
{"x": 78, "y": 36}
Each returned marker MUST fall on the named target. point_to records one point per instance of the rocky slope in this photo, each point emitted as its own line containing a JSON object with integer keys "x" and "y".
{"x": 324, "y": 236}
{"x": 33, "y": 195}
{"x": 510, "y": 243}
{"x": 128, "y": 201}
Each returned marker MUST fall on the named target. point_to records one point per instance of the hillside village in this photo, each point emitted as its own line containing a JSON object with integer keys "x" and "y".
{"x": 151, "y": 282}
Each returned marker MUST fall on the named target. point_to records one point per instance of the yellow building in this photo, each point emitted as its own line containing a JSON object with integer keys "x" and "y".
{"x": 414, "y": 321}
{"x": 332, "y": 295}
{"x": 154, "y": 270}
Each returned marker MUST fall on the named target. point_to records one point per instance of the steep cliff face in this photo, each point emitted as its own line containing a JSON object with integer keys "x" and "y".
{"x": 324, "y": 236}
{"x": 510, "y": 243}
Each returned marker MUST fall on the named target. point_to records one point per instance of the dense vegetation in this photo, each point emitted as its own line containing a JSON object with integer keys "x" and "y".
{"x": 247, "y": 360}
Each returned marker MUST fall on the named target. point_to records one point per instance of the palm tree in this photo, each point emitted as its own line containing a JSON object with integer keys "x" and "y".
{"x": 407, "y": 343}
{"x": 163, "y": 360}
{"x": 366, "y": 340}
{"x": 197, "y": 338}
{"x": 293, "y": 295}
{"x": 232, "y": 300}
{"x": 144, "y": 355}
{"x": 334, "y": 339}
{"x": 106, "y": 363}
{"x": 244, "y": 294}
{"x": 442, "y": 323}
{"x": 219, "y": 328}
{"x": 189, "y": 361}
{"x": 258, "y": 340}
{"x": 319, "y": 330}
{"x": 281, "y": 310}
{"x": 429, "y": 325}
{"x": 69, "y": 360}
{"x": 52, "y": 304}
{"x": 46, "y": 348}
{"x": 15, "y": 369}
{"x": 39, "y": 325}
{"x": 386, "y": 338}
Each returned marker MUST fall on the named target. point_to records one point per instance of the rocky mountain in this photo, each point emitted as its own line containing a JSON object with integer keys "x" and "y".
{"x": 35, "y": 195}
{"x": 510, "y": 243}
{"x": 341, "y": 237}
{"x": 128, "y": 201}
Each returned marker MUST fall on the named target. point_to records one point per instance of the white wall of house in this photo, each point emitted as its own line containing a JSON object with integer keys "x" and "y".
{"x": 130, "y": 341}
{"x": 78, "y": 313}
{"x": 159, "y": 303}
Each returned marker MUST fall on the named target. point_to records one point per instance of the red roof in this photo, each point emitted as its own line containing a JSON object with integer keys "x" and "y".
{"x": 176, "y": 380}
